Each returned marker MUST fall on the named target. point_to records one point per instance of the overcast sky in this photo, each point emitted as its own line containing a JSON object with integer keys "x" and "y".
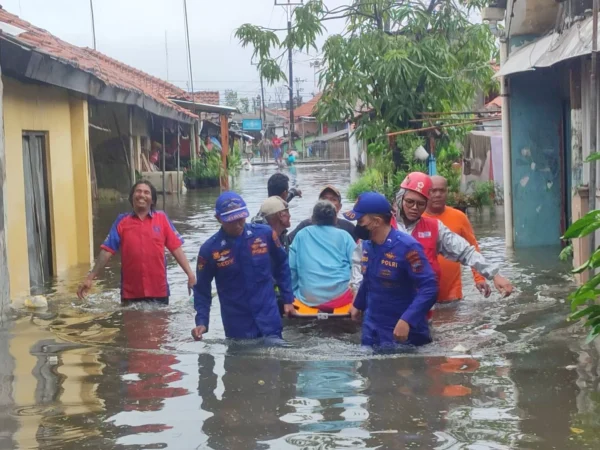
{"x": 133, "y": 31}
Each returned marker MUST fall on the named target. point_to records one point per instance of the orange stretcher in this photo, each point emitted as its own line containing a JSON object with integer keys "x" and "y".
{"x": 304, "y": 311}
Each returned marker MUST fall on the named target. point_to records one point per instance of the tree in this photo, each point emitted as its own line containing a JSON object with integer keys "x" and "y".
{"x": 231, "y": 98}
{"x": 244, "y": 105}
{"x": 396, "y": 58}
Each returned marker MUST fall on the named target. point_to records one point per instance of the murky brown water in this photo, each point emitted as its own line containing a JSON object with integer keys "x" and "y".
{"x": 95, "y": 375}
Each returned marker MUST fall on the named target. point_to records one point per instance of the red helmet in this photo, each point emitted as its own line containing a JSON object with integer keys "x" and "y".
{"x": 418, "y": 182}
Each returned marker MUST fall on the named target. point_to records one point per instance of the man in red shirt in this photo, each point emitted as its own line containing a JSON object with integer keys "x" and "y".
{"x": 142, "y": 236}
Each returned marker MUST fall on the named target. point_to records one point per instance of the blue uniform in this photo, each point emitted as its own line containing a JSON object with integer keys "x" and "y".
{"x": 244, "y": 268}
{"x": 398, "y": 283}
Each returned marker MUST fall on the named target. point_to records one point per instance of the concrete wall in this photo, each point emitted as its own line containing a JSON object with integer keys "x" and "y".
{"x": 531, "y": 16}
{"x": 50, "y": 110}
{"x": 536, "y": 117}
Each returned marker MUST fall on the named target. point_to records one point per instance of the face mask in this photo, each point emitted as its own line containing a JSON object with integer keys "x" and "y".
{"x": 362, "y": 232}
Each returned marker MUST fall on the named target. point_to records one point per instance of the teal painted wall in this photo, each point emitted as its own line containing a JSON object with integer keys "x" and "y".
{"x": 536, "y": 117}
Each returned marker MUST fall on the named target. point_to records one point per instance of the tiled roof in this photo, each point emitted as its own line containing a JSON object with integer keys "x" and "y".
{"x": 108, "y": 70}
{"x": 284, "y": 114}
{"x": 207, "y": 97}
{"x": 496, "y": 102}
{"x": 307, "y": 109}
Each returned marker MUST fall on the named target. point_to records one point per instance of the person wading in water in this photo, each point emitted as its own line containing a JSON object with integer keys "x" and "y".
{"x": 141, "y": 236}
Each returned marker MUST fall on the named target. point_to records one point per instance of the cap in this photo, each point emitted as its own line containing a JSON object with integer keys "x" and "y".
{"x": 273, "y": 205}
{"x": 369, "y": 203}
{"x": 331, "y": 188}
{"x": 231, "y": 207}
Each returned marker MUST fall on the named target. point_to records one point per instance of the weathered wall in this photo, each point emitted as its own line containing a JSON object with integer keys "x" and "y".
{"x": 536, "y": 117}
{"x": 47, "y": 109}
{"x": 531, "y": 16}
{"x": 4, "y": 279}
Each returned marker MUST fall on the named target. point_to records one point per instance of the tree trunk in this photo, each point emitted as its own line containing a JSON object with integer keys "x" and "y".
{"x": 4, "y": 286}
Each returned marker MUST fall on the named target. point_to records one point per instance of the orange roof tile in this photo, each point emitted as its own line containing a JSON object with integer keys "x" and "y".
{"x": 307, "y": 109}
{"x": 207, "y": 97}
{"x": 110, "y": 71}
{"x": 496, "y": 102}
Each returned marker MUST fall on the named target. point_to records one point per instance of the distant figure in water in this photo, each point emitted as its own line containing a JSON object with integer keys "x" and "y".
{"x": 291, "y": 158}
{"x": 141, "y": 236}
{"x": 321, "y": 261}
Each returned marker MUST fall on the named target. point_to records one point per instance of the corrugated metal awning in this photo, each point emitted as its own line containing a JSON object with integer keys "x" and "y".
{"x": 332, "y": 136}
{"x": 551, "y": 49}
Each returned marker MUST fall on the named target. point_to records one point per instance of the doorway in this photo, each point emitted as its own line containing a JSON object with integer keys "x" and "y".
{"x": 37, "y": 210}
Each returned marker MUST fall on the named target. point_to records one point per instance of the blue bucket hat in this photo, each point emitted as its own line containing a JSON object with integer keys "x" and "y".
{"x": 231, "y": 207}
{"x": 369, "y": 203}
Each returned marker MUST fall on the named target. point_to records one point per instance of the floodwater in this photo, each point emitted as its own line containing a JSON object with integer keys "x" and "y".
{"x": 94, "y": 375}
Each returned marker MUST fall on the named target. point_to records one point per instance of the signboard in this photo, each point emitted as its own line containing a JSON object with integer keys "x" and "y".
{"x": 252, "y": 124}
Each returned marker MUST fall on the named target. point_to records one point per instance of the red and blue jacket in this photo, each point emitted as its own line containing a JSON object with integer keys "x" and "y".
{"x": 142, "y": 245}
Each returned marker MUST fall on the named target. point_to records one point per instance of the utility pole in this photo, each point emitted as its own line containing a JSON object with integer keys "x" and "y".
{"x": 93, "y": 23}
{"x": 298, "y": 89}
{"x": 262, "y": 100}
{"x": 263, "y": 113}
{"x": 167, "y": 54}
{"x": 289, "y": 6}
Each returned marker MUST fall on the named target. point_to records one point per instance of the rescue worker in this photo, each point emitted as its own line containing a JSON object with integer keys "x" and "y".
{"x": 278, "y": 185}
{"x": 277, "y": 215}
{"x": 435, "y": 237}
{"x": 243, "y": 259}
{"x": 398, "y": 287}
{"x": 457, "y": 222}
{"x": 333, "y": 195}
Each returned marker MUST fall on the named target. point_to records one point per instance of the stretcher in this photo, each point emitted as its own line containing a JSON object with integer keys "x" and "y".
{"x": 308, "y": 312}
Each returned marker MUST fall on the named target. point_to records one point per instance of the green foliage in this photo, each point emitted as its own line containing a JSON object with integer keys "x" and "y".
{"x": 396, "y": 59}
{"x": 587, "y": 294}
{"x": 231, "y": 98}
{"x": 244, "y": 105}
{"x": 566, "y": 253}
{"x": 234, "y": 159}
{"x": 483, "y": 194}
{"x": 371, "y": 180}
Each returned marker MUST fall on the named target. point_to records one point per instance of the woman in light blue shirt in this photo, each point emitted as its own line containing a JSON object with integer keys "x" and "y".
{"x": 321, "y": 259}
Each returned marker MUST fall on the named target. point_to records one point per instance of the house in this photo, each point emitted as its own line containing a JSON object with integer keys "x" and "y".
{"x": 73, "y": 119}
{"x": 547, "y": 110}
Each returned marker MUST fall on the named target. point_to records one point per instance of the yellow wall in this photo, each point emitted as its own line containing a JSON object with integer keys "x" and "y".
{"x": 32, "y": 107}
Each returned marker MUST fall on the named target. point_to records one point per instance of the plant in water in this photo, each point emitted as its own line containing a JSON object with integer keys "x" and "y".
{"x": 483, "y": 194}
{"x": 587, "y": 294}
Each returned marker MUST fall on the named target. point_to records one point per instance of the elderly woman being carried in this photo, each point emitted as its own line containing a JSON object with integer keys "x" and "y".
{"x": 321, "y": 260}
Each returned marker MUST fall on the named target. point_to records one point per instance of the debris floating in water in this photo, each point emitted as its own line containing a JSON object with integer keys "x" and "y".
{"x": 459, "y": 348}
{"x": 36, "y": 302}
